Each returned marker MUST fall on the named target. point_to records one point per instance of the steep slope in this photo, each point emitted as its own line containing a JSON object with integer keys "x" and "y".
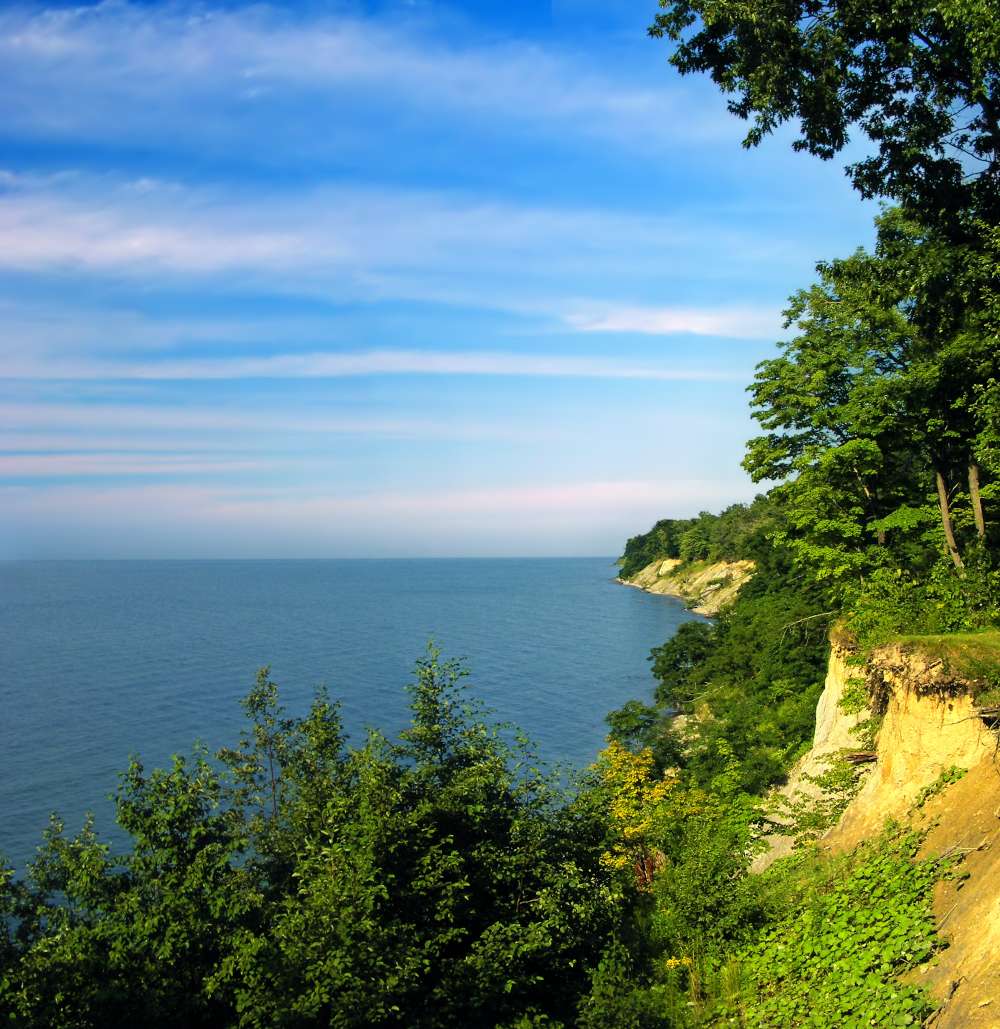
{"x": 929, "y": 725}
{"x": 935, "y": 767}
{"x": 837, "y": 729}
{"x": 964, "y": 819}
{"x": 707, "y": 586}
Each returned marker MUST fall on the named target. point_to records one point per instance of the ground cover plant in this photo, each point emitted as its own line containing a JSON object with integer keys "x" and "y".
{"x": 837, "y": 955}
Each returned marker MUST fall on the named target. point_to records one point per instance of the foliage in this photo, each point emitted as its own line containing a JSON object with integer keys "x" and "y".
{"x": 620, "y": 998}
{"x": 871, "y": 411}
{"x": 635, "y": 796}
{"x": 806, "y": 817}
{"x": 442, "y": 880}
{"x": 948, "y": 776}
{"x": 973, "y": 657}
{"x": 890, "y": 603}
{"x": 918, "y": 79}
{"x": 704, "y": 897}
{"x": 662, "y": 541}
{"x": 676, "y": 661}
{"x": 748, "y": 683}
{"x": 837, "y": 954}
{"x": 435, "y": 881}
{"x": 688, "y": 848}
{"x": 723, "y": 537}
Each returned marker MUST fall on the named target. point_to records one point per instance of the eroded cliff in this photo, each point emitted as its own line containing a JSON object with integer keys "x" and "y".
{"x": 932, "y": 763}
{"x": 706, "y": 586}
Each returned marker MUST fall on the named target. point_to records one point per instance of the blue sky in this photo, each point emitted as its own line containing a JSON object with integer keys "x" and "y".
{"x": 379, "y": 279}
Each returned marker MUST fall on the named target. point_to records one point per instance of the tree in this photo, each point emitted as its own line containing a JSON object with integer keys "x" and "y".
{"x": 987, "y": 402}
{"x": 872, "y": 406}
{"x": 695, "y": 542}
{"x": 920, "y": 78}
{"x": 437, "y": 881}
{"x": 676, "y": 660}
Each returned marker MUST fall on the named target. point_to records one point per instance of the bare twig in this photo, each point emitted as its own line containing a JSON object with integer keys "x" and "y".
{"x": 808, "y": 618}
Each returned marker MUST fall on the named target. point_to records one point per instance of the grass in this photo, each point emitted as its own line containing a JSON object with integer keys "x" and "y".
{"x": 973, "y": 656}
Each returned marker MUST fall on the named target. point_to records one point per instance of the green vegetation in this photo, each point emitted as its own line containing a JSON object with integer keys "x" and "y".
{"x": 973, "y": 657}
{"x": 880, "y": 440}
{"x": 748, "y": 683}
{"x": 441, "y": 880}
{"x": 436, "y": 881}
{"x": 918, "y": 79}
{"x": 722, "y": 537}
{"x": 966, "y": 653}
{"x": 950, "y": 775}
{"x": 837, "y": 956}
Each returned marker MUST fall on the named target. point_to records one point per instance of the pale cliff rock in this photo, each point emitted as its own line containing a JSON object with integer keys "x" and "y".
{"x": 835, "y": 733}
{"x": 834, "y": 726}
{"x": 707, "y": 587}
{"x": 930, "y": 724}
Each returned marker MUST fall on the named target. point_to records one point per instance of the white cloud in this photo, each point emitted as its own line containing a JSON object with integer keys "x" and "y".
{"x": 373, "y": 362}
{"x": 48, "y": 465}
{"x": 102, "y": 70}
{"x": 739, "y": 323}
{"x": 109, "y": 230}
{"x": 34, "y": 425}
{"x": 362, "y": 244}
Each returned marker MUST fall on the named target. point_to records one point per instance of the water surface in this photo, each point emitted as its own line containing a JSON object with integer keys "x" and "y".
{"x": 104, "y": 659}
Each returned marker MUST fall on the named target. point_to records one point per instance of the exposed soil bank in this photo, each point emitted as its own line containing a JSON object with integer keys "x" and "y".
{"x": 706, "y": 586}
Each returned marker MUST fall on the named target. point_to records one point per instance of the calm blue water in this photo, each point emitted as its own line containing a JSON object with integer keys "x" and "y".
{"x": 102, "y": 659}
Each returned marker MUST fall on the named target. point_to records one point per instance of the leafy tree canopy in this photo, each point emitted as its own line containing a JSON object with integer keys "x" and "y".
{"x": 919, "y": 78}
{"x": 436, "y": 881}
{"x": 871, "y": 410}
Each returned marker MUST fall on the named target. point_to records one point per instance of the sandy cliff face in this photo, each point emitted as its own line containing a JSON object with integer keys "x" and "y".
{"x": 930, "y": 726}
{"x": 708, "y": 587}
{"x": 965, "y": 819}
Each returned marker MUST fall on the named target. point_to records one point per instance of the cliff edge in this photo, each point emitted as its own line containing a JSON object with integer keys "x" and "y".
{"x": 932, "y": 760}
{"x": 706, "y": 586}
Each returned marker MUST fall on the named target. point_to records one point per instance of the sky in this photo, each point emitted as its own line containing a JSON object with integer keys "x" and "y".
{"x": 380, "y": 279}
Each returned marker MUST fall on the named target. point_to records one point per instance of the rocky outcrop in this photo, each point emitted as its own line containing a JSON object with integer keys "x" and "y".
{"x": 937, "y": 767}
{"x": 706, "y": 586}
{"x": 836, "y": 723}
{"x": 929, "y": 725}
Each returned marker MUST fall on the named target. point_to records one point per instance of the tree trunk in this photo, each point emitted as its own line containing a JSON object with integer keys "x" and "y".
{"x": 879, "y": 533}
{"x": 977, "y": 501}
{"x": 949, "y": 532}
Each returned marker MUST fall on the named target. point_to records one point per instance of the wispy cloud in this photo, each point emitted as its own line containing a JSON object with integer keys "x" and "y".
{"x": 107, "y": 465}
{"x": 94, "y": 71}
{"x": 321, "y": 278}
{"x": 374, "y": 362}
{"x": 741, "y": 323}
{"x": 36, "y": 425}
{"x": 353, "y": 244}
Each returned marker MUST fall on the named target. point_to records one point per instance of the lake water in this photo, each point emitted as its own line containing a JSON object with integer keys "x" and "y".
{"x": 102, "y": 659}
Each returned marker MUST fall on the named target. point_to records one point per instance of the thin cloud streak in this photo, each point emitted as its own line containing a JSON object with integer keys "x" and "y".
{"x": 742, "y": 323}
{"x": 357, "y": 243}
{"x": 374, "y": 362}
{"x": 16, "y": 419}
{"x": 93, "y": 71}
{"x": 46, "y": 465}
